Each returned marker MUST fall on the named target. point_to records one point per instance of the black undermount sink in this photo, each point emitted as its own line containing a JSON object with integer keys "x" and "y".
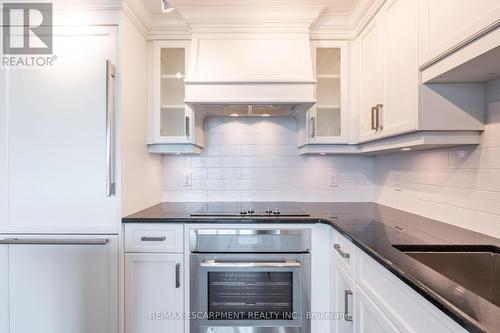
{"x": 475, "y": 267}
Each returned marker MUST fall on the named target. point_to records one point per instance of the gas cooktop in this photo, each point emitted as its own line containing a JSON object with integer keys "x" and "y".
{"x": 257, "y": 209}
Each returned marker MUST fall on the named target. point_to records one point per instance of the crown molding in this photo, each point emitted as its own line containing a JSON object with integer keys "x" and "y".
{"x": 138, "y": 15}
{"x": 179, "y": 24}
{"x": 250, "y": 18}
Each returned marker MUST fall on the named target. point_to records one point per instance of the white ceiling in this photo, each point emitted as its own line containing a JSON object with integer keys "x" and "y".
{"x": 333, "y": 6}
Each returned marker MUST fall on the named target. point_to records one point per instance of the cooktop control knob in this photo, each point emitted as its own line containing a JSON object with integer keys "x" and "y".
{"x": 250, "y": 211}
{"x": 243, "y": 211}
{"x": 276, "y": 211}
{"x": 269, "y": 210}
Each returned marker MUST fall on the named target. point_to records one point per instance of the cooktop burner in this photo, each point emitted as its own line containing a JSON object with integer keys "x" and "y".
{"x": 258, "y": 209}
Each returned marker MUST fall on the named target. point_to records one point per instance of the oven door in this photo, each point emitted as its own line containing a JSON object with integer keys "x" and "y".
{"x": 267, "y": 292}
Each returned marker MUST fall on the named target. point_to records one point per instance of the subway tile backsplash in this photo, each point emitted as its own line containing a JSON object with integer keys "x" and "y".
{"x": 256, "y": 159}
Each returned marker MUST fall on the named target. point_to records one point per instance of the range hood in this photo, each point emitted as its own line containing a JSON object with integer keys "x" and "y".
{"x": 250, "y": 61}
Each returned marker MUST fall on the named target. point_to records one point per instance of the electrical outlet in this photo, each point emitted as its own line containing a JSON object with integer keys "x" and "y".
{"x": 333, "y": 178}
{"x": 188, "y": 178}
{"x": 398, "y": 183}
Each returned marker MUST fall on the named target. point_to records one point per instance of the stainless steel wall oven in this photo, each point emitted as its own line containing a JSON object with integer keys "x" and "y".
{"x": 248, "y": 280}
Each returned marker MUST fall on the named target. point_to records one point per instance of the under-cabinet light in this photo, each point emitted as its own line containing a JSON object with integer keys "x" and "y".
{"x": 265, "y": 115}
{"x": 234, "y": 115}
{"x": 406, "y": 149}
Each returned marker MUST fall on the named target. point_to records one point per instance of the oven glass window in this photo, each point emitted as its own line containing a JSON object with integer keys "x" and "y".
{"x": 250, "y": 296}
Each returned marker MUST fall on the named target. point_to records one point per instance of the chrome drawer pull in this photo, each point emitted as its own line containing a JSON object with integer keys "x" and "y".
{"x": 153, "y": 239}
{"x": 177, "y": 275}
{"x": 342, "y": 253}
{"x": 347, "y": 315}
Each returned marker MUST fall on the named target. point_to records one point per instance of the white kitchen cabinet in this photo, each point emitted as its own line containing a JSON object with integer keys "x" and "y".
{"x": 400, "y": 107}
{"x": 393, "y": 104}
{"x": 377, "y": 300}
{"x": 4, "y": 175}
{"x": 343, "y": 301}
{"x": 389, "y": 72}
{"x": 369, "y": 318}
{"x": 154, "y": 290}
{"x": 58, "y": 284}
{"x": 328, "y": 118}
{"x": 406, "y": 309}
{"x": 175, "y": 127}
{"x": 371, "y": 87}
{"x": 54, "y": 150}
{"x": 446, "y": 25}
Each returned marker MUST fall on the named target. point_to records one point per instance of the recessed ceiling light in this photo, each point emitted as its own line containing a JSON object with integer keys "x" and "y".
{"x": 406, "y": 149}
{"x": 234, "y": 115}
{"x": 178, "y": 75}
{"x": 165, "y": 6}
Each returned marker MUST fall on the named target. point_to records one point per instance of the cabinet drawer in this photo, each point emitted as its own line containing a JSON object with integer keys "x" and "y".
{"x": 408, "y": 311}
{"x": 154, "y": 238}
{"x": 343, "y": 252}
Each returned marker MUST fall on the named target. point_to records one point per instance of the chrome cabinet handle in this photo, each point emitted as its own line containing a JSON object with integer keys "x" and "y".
{"x": 177, "y": 275}
{"x": 347, "y": 314}
{"x": 187, "y": 131}
{"x": 313, "y": 127}
{"x": 278, "y": 264}
{"x": 153, "y": 239}
{"x": 53, "y": 241}
{"x": 110, "y": 128}
{"x": 374, "y": 117}
{"x": 380, "y": 114}
{"x": 342, "y": 253}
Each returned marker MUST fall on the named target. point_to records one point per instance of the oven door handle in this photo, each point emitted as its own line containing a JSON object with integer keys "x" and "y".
{"x": 232, "y": 264}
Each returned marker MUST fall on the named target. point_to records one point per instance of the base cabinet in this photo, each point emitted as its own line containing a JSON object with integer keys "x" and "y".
{"x": 344, "y": 295}
{"x": 51, "y": 287}
{"x": 369, "y": 318}
{"x": 154, "y": 293}
{"x": 367, "y": 298}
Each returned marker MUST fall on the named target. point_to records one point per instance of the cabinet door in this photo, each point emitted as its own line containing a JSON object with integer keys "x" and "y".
{"x": 344, "y": 295}
{"x": 153, "y": 293}
{"x": 60, "y": 288}
{"x": 369, "y": 318}
{"x": 172, "y": 119}
{"x": 371, "y": 76}
{"x": 448, "y": 24}
{"x": 329, "y": 117}
{"x": 57, "y": 137}
{"x": 399, "y": 110}
{"x": 4, "y": 176}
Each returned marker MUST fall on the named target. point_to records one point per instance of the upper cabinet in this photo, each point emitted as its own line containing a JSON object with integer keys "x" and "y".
{"x": 389, "y": 72}
{"x": 446, "y": 25}
{"x": 175, "y": 127}
{"x": 395, "y": 109}
{"x": 327, "y": 121}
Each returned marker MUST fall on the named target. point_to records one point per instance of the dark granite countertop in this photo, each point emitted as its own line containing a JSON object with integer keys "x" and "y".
{"x": 375, "y": 229}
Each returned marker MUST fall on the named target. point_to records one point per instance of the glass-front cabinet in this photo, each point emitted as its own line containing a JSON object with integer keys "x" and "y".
{"x": 175, "y": 127}
{"x": 327, "y": 121}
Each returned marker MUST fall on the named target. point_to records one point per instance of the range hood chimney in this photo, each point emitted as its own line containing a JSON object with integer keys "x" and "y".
{"x": 250, "y": 61}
